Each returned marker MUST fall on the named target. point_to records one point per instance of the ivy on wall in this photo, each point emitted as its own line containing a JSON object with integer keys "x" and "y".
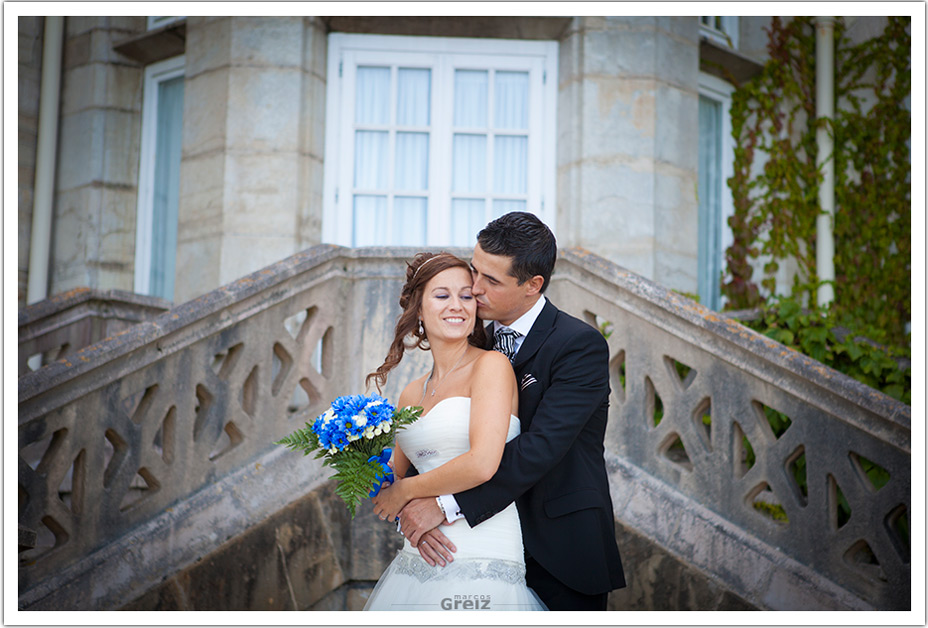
{"x": 872, "y": 183}
{"x": 776, "y": 203}
{"x": 776, "y": 180}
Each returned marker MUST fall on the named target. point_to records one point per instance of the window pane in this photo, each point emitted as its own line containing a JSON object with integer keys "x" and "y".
{"x": 511, "y": 100}
{"x": 503, "y": 206}
{"x": 510, "y": 167}
{"x": 372, "y": 96}
{"x": 467, "y": 219}
{"x": 470, "y": 98}
{"x": 166, "y": 187}
{"x": 469, "y": 164}
{"x": 409, "y": 216}
{"x": 412, "y": 97}
{"x": 412, "y": 161}
{"x": 370, "y": 159}
{"x": 710, "y": 208}
{"x": 370, "y": 220}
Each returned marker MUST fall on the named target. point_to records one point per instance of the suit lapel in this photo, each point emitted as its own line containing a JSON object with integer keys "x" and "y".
{"x": 540, "y": 331}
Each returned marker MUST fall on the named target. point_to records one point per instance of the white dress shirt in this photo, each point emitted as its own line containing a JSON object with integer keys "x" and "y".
{"x": 522, "y": 325}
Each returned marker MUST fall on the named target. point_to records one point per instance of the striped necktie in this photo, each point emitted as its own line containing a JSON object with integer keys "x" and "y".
{"x": 504, "y": 341}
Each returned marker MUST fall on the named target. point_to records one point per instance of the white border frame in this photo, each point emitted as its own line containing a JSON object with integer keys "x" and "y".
{"x": 345, "y": 50}
{"x": 154, "y": 74}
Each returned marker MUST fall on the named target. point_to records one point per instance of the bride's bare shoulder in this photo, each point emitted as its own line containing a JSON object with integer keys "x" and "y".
{"x": 492, "y": 363}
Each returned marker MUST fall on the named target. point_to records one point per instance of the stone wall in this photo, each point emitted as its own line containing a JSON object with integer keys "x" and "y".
{"x": 93, "y": 232}
{"x": 627, "y": 143}
{"x": 251, "y": 166}
{"x": 312, "y": 556}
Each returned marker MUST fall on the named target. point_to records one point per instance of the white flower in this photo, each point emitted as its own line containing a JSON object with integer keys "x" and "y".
{"x": 328, "y": 415}
{"x": 360, "y": 420}
{"x": 378, "y": 431}
{"x": 333, "y": 449}
{"x": 385, "y": 426}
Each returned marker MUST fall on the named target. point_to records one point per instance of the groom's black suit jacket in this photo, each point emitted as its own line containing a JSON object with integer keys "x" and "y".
{"x": 554, "y": 470}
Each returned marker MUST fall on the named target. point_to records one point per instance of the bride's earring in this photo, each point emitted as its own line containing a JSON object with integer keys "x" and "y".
{"x": 421, "y": 328}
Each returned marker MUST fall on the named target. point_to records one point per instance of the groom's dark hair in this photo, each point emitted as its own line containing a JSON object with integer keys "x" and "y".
{"x": 526, "y": 240}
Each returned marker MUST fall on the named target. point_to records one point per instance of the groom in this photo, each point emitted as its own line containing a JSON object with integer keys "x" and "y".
{"x": 554, "y": 470}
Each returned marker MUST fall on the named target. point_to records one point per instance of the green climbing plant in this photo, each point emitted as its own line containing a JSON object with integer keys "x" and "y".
{"x": 776, "y": 180}
{"x": 824, "y": 337}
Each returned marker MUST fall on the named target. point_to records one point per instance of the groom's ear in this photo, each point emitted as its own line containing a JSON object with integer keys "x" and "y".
{"x": 534, "y": 285}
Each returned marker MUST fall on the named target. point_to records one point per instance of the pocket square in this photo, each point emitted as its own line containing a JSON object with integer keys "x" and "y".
{"x": 527, "y": 380}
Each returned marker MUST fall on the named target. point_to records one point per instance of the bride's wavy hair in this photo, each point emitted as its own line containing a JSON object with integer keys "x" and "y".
{"x": 419, "y": 271}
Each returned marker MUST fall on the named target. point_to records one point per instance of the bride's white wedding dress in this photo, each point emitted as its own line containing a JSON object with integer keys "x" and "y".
{"x": 488, "y": 571}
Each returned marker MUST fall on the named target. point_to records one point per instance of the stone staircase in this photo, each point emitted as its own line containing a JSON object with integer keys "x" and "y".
{"x": 148, "y": 474}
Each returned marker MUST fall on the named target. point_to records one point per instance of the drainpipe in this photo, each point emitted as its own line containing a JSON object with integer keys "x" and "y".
{"x": 46, "y": 149}
{"x": 825, "y": 108}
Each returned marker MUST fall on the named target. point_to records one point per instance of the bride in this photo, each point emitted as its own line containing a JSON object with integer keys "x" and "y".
{"x": 470, "y": 403}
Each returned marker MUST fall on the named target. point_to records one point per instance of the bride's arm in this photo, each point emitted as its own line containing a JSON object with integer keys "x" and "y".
{"x": 493, "y": 389}
{"x": 400, "y": 460}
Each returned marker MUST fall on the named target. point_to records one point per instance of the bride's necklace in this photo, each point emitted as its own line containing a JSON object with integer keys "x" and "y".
{"x": 439, "y": 382}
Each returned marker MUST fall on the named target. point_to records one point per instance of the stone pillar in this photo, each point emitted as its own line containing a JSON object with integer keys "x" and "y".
{"x": 93, "y": 236}
{"x": 627, "y": 143}
{"x": 29, "y": 76}
{"x": 251, "y": 165}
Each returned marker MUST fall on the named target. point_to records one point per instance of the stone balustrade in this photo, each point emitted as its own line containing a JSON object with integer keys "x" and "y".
{"x": 57, "y": 327}
{"x": 760, "y": 439}
{"x": 146, "y": 451}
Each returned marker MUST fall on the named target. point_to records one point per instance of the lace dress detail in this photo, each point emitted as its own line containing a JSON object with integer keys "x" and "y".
{"x": 507, "y": 571}
{"x": 488, "y": 565}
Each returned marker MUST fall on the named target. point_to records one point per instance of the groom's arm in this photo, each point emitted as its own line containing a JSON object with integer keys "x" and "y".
{"x": 579, "y": 383}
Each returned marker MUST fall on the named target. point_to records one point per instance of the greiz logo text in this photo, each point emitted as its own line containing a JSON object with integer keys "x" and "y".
{"x": 466, "y": 602}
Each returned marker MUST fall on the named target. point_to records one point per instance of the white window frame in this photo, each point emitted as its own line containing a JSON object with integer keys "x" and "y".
{"x": 728, "y": 31}
{"x": 441, "y": 54}
{"x": 720, "y": 91}
{"x": 154, "y": 74}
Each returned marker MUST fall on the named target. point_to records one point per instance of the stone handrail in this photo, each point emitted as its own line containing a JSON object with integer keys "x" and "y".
{"x": 121, "y": 432}
{"x": 59, "y": 326}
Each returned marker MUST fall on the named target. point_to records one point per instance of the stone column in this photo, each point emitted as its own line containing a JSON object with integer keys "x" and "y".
{"x": 627, "y": 143}
{"x": 251, "y": 165}
{"x": 93, "y": 235}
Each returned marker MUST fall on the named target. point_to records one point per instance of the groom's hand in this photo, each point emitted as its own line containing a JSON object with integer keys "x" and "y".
{"x": 419, "y": 516}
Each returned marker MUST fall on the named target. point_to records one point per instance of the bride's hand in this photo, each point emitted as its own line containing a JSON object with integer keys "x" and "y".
{"x": 390, "y": 500}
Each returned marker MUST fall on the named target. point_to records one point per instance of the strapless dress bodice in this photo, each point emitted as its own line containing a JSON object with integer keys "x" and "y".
{"x": 438, "y": 436}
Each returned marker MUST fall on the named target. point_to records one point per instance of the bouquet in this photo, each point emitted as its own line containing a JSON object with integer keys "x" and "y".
{"x": 353, "y": 436}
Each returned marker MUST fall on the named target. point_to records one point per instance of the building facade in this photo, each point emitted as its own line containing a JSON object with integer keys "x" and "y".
{"x": 192, "y": 151}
